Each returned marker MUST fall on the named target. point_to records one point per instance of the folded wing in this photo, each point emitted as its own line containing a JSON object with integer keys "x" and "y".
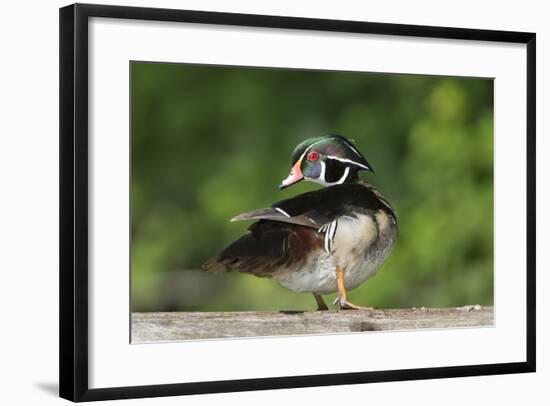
{"x": 269, "y": 247}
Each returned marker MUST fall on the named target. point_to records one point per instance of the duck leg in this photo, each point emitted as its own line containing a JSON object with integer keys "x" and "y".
{"x": 342, "y": 298}
{"x": 321, "y": 305}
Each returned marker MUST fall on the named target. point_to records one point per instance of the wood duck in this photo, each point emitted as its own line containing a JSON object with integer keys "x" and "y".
{"x": 324, "y": 241}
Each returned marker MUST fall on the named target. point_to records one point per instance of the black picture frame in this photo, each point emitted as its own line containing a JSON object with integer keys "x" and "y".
{"x": 73, "y": 277}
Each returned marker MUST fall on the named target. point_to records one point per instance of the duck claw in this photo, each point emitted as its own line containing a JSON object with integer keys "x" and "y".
{"x": 345, "y": 304}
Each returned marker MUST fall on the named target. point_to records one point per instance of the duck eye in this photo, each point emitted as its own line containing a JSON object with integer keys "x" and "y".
{"x": 312, "y": 156}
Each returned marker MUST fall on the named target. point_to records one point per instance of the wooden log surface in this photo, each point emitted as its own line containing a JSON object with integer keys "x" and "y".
{"x": 173, "y": 326}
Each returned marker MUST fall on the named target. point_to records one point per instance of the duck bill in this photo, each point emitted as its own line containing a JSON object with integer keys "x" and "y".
{"x": 294, "y": 177}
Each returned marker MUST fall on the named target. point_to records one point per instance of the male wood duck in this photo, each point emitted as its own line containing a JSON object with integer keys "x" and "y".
{"x": 324, "y": 241}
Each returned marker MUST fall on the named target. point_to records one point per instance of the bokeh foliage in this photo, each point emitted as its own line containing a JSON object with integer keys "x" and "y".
{"x": 211, "y": 142}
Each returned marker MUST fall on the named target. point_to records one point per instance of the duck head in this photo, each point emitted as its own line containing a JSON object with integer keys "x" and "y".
{"x": 327, "y": 160}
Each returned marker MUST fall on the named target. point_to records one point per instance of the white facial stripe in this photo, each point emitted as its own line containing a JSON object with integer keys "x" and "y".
{"x": 347, "y": 161}
{"x": 282, "y": 211}
{"x": 343, "y": 178}
{"x": 321, "y": 179}
{"x": 345, "y": 142}
{"x": 323, "y": 171}
{"x": 317, "y": 142}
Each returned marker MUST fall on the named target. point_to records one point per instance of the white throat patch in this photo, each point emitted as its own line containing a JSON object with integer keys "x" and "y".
{"x": 321, "y": 179}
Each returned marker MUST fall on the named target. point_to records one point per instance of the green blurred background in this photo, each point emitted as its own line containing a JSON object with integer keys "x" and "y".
{"x": 211, "y": 142}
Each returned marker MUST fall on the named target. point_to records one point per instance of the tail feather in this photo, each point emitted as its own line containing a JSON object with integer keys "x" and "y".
{"x": 254, "y": 253}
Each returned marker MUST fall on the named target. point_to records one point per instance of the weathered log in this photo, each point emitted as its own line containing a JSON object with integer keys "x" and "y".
{"x": 172, "y": 326}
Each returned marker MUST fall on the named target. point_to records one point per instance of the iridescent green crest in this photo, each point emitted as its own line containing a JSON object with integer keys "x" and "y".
{"x": 332, "y": 146}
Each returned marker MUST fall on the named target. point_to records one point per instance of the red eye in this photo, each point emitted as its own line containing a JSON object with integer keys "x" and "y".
{"x": 312, "y": 156}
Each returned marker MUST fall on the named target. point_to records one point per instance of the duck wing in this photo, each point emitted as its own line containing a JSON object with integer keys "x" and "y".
{"x": 311, "y": 219}
{"x": 288, "y": 231}
{"x": 319, "y": 207}
{"x": 269, "y": 247}
{"x": 309, "y": 209}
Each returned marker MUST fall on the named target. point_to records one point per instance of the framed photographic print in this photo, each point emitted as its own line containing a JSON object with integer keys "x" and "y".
{"x": 238, "y": 191}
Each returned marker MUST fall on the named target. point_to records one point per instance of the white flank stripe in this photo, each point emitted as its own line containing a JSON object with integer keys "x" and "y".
{"x": 333, "y": 230}
{"x": 327, "y": 240}
{"x": 333, "y": 233}
{"x": 330, "y": 231}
